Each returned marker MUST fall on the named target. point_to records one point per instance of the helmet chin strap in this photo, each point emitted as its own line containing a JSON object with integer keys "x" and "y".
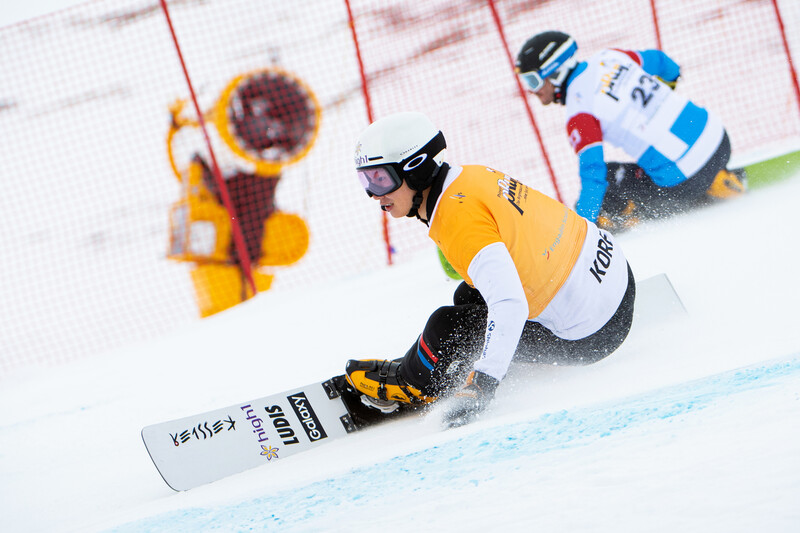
{"x": 414, "y": 211}
{"x": 434, "y": 191}
{"x": 560, "y": 94}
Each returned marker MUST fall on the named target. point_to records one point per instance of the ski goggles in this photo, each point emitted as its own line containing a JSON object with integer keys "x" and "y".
{"x": 378, "y": 181}
{"x": 533, "y": 80}
{"x": 552, "y": 68}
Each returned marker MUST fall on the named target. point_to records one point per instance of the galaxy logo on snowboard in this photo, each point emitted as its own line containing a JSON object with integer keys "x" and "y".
{"x": 305, "y": 413}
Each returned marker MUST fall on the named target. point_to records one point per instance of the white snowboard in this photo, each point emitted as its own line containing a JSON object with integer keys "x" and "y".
{"x": 195, "y": 450}
{"x": 199, "y": 449}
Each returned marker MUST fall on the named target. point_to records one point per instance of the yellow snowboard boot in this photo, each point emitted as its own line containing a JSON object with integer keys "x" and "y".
{"x": 380, "y": 380}
{"x": 728, "y": 184}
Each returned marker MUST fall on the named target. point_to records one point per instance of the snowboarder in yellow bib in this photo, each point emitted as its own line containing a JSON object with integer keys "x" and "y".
{"x": 541, "y": 284}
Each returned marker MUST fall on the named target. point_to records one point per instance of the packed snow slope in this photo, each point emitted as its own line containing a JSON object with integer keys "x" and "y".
{"x": 690, "y": 426}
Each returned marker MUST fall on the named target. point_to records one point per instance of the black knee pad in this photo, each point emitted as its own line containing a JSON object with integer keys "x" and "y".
{"x": 450, "y": 342}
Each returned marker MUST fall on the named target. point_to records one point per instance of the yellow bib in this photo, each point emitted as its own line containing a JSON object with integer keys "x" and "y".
{"x": 483, "y": 206}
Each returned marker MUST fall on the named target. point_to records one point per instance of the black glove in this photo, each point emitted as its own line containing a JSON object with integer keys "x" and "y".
{"x": 470, "y": 400}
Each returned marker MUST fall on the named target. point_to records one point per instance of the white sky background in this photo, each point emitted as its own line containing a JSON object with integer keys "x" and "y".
{"x": 13, "y": 11}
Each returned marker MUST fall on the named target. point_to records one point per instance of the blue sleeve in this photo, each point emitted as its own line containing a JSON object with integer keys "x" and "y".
{"x": 592, "y": 167}
{"x": 659, "y": 64}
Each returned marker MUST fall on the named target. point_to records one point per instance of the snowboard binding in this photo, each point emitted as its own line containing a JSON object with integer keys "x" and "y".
{"x": 366, "y": 410}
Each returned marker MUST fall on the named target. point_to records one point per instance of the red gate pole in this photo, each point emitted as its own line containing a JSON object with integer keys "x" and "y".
{"x": 368, "y": 103}
{"x": 238, "y": 238}
{"x": 655, "y": 23}
{"x": 522, "y": 93}
{"x": 788, "y": 53}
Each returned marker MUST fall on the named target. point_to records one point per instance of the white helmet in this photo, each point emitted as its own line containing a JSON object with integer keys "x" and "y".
{"x": 397, "y": 148}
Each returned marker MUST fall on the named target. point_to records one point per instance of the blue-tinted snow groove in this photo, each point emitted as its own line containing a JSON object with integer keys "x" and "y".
{"x": 469, "y": 459}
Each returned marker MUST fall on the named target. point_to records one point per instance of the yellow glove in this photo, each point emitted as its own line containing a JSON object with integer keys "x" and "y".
{"x": 670, "y": 84}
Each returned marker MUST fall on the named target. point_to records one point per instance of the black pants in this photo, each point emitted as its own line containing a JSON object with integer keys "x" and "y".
{"x": 453, "y": 339}
{"x": 627, "y": 181}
